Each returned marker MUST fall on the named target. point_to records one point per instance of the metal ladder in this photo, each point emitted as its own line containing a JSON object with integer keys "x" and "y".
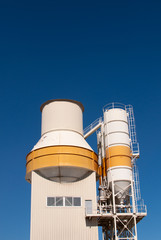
{"x": 135, "y": 154}
{"x": 132, "y": 131}
{"x": 136, "y": 185}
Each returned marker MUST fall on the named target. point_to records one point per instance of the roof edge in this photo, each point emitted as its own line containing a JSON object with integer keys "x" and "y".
{"x": 62, "y": 100}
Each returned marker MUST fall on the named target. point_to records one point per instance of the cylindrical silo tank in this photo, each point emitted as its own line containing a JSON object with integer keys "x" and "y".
{"x": 62, "y": 154}
{"x": 118, "y": 153}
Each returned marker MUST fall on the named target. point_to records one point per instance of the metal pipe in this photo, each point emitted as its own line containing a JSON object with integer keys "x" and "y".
{"x": 93, "y": 130}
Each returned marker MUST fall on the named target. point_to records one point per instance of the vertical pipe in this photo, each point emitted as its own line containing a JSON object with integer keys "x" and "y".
{"x": 133, "y": 197}
{"x": 99, "y": 156}
{"x": 113, "y": 198}
{"x": 115, "y": 228}
{"x": 136, "y": 236}
{"x": 103, "y": 235}
{"x": 103, "y": 153}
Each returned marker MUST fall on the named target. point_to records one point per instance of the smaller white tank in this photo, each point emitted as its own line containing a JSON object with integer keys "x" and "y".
{"x": 117, "y": 144}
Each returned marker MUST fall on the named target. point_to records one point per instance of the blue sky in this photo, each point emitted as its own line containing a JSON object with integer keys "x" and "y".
{"x": 95, "y": 52}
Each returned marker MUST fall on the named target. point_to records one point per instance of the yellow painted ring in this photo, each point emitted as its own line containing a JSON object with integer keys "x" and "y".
{"x": 118, "y": 156}
{"x": 59, "y": 156}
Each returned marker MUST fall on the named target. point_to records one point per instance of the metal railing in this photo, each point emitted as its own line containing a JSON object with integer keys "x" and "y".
{"x": 114, "y": 105}
{"x": 92, "y": 125}
{"x": 137, "y": 192}
{"x": 97, "y": 211}
{"x": 135, "y": 149}
{"x": 142, "y": 208}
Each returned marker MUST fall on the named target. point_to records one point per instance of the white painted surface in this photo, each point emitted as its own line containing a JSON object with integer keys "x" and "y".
{"x": 62, "y": 223}
{"x": 115, "y": 114}
{"x": 122, "y": 177}
{"x": 116, "y": 128}
{"x": 62, "y": 115}
{"x": 122, "y": 172}
{"x": 62, "y": 138}
{"x": 117, "y": 138}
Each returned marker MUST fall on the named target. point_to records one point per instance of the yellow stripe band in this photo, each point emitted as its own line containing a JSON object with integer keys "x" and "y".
{"x": 57, "y": 156}
{"x": 118, "y": 156}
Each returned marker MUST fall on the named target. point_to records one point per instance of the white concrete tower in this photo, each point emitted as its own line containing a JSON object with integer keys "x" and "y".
{"x": 62, "y": 169}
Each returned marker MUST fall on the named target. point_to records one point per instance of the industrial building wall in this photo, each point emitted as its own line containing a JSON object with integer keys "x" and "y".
{"x": 66, "y": 222}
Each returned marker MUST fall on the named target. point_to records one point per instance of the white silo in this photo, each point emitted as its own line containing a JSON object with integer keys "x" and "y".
{"x": 62, "y": 169}
{"x": 117, "y": 144}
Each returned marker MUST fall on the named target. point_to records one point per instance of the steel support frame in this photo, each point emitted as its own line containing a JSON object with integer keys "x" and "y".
{"x": 130, "y": 233}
